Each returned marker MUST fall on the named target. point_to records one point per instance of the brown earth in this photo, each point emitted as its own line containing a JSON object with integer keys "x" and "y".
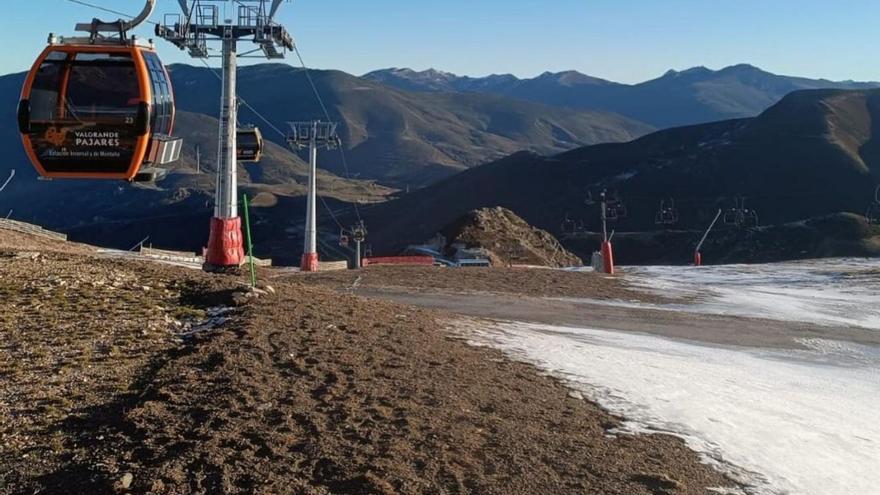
{"x": 508, "y": 239}
{"x": 105, "y": 389}
{"x": 516, "y": 281}
{"x": 16, "y": 242}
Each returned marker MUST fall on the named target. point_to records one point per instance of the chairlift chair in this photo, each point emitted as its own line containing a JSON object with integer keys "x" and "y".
{"x": 567, "y": 226}
{"x": 615, "y": 204}
{"x": 872, "y": 214}
{"x": 612, "y": 213}
{"x": 666, "y": 215}
{"x": 732, "y": 216}
{"x": 658, "y": 217}
{"x": 740, "y": 216}
{"x": 749, "y": 218}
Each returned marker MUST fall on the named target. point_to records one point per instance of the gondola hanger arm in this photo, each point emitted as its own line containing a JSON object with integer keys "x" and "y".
{"x": 121, "y": 26}
{"x": 274, "y": 9}
{"x": 184, "y": 7}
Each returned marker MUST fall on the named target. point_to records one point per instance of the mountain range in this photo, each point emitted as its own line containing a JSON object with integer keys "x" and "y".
{"x": 398, "y": 137}
{"x": 694, "y": 96}
{"x": 813, "y": 154}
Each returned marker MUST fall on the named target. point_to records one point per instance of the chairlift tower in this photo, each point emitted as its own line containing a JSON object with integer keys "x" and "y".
{"x": 311, "y": 136}
{"x": 200, "y": 24}
{"x": 606, "y": 253}
{"x": 603, "y": 215}
{"x": 359, "y": 232}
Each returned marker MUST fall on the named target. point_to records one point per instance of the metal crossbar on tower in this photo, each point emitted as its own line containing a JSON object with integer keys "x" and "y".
{"x": 199, "y": 25}
{"x": 311, "y": 136}
{"x": 359, "y": 232}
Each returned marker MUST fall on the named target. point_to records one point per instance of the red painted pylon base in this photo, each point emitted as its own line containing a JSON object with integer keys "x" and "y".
{"x": 225, "y": 245}
{"x": 309, "y": 262}
{"x": 698, "y": 259}
{"x": 608, "y": 257}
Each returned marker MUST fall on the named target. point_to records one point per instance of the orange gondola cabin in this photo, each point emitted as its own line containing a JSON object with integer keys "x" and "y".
{"x": 103, "y": 109}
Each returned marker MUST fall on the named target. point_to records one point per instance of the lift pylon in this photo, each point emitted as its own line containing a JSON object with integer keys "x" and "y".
{"x": 359, "y": 233}
{"x": 192, "y": 31}
{"x": 312, "y": 136}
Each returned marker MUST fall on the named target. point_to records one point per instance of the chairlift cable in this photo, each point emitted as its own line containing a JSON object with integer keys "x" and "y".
{"x": 213, "y": 71}
{"x": 257, "y": 113}
{"x": 332, "y": 215}
{"x": 264, "y": 119}
{"x": 244, "y": 102}
{"x": 327, "y": 116}
{"x": 110, "y": 11}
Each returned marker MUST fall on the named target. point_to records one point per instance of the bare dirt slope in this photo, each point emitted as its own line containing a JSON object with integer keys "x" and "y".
{"x": 509, "y": 239}
{"x": 18, "y": 243}
{"x": 516, "y": 281}
{"x": 106, "y": 389}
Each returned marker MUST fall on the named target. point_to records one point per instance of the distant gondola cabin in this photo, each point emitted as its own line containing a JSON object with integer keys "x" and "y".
{"x": 249, "y": 144}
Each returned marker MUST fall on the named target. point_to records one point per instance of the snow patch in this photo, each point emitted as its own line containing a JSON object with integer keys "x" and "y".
{"x": 782, "y": 422}
{"x": 841, "y": 292}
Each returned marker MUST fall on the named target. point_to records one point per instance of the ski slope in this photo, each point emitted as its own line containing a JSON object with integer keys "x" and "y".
{"x": 824, "y": 292}
{"x": 783, "y": 422}
{"x": 796, "y": 421}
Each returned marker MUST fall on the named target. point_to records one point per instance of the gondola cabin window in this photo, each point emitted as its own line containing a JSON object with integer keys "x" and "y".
{"x": 163, "y": 99}
{"x": 103, "y": 86}
{"x": 47, "y": 88}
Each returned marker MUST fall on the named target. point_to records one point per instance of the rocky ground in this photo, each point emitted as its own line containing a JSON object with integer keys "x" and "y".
{"x": 123, "y": 376}
{"x": 507, "y": 239}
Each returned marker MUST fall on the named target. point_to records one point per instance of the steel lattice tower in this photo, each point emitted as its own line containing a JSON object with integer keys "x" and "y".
{"x": 199, "y": 25}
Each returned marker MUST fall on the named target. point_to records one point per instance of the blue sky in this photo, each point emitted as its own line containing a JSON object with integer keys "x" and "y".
{"x": 621, "y": 40}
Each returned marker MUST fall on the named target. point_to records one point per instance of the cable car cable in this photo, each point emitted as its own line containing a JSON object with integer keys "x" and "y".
{"x": 264, "y": 119}
{"x": 109, "y": 11}
{"x": 327, "y": 116}
{"x": 254, "y": 110}
{"x": 245, "y": 103}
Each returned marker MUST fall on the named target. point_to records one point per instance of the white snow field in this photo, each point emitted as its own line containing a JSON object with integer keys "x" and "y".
{"x": 803, "y": 421}
{"x": 783, "y": 422}
{"x": 824, "y": 292}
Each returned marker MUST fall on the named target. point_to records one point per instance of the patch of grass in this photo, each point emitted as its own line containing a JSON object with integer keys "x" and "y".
{"x": 187, "y": 313}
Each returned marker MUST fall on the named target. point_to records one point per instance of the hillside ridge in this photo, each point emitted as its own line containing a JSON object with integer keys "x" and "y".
{"x": 677, "y": 98}
{"x": 813, "y": 154}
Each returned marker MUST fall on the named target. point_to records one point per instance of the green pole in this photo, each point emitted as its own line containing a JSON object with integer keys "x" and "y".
{"x": 247, "y": 223}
